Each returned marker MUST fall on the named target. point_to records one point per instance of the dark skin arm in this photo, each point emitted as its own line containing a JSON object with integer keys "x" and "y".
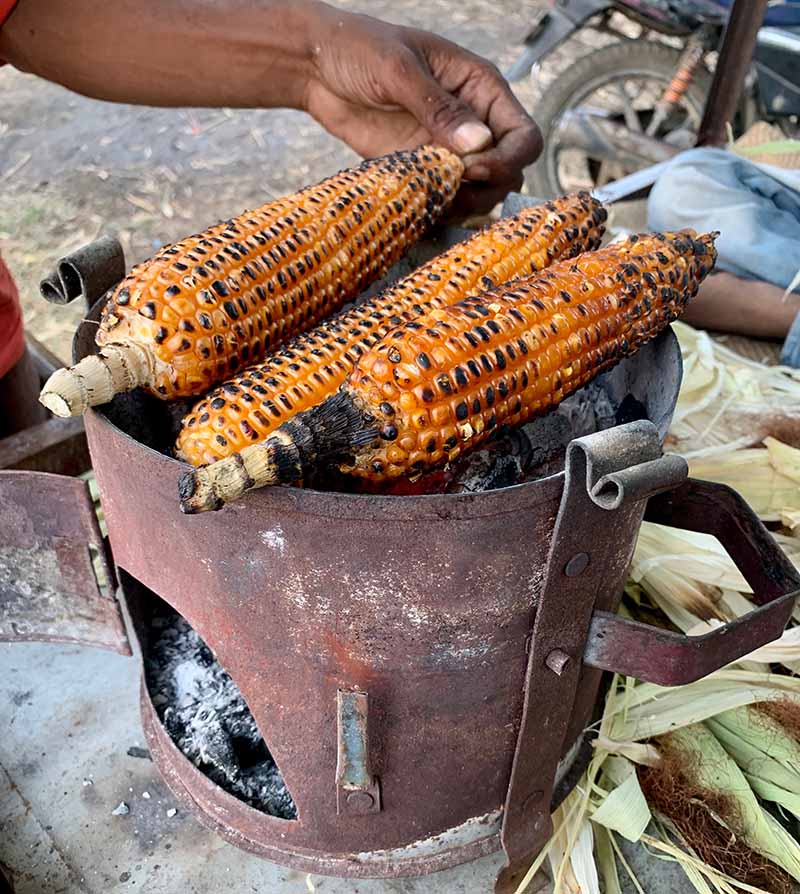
{"x": 726, "y": 303}
{"x": 376, "y": 86}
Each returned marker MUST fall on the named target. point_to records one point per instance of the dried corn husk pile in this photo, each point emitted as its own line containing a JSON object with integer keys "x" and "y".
{"x": 729, "y": 401}
{"x": 705, "y": 775}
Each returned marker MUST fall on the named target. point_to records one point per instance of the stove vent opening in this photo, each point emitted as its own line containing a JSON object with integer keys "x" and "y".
{"x": 205, "y": 714}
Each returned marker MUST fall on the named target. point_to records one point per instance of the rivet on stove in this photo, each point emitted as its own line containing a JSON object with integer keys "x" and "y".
{"x": 577, "y": 565}
{"x": 361, "y": 802}
{"x": 557, "y": 661}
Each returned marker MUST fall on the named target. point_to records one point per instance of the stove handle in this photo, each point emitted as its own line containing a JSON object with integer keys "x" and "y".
{"x": 672, "y": 659}
{"x": 89, "y": 271}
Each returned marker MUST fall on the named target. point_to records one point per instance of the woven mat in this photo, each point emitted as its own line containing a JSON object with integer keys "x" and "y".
{"x": 762, "y": 134}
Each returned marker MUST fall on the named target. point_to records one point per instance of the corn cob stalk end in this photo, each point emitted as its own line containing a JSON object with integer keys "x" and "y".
{"x": 208, "y": 488}
{"x": 285, "y": 457}
{"x": 96, "y": 379}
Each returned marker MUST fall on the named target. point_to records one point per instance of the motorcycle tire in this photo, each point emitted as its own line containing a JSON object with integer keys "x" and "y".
{"x": 640, "y": 58}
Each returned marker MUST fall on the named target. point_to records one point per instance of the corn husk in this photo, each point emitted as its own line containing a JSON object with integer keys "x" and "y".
{"x": 610, "y": 798}
{"x": 633, "y": 752}
{"x": 704, "y": 878}
{"x": 767, "y": 477}
{"x": 710, "y": 767}
{"x": 684, "y": 573}
{"x": 624, "y": 810}
{"x": 606, "y": 861}
{"x": 766, "y": 752}
{"x": 649, "y": 710}
{"x": 728, "y": 401}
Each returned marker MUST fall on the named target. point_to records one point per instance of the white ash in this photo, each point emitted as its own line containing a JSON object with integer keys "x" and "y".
{"x": 588, "y": 410}
{"x": 207, "y": 718}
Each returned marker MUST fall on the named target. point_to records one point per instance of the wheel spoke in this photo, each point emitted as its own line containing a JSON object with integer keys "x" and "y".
{"x": 631, "y": 118}
{"x": 629, "y": 97}
{"x": 604, "y": 173}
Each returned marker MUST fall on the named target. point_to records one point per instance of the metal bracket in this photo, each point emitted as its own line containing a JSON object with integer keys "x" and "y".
{"x": 56, "y": 583}
{"x": 672, "y": 659}
{"x": 90, "y": 271}
{"x": 357, "y": 790}
{"x": 608, "y": 477}
{"x": 57, "y": 446}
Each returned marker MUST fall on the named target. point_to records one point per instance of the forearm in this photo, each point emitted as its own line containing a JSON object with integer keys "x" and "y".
{"x": 241, "y": 53}
{"x": 377, "y": 86}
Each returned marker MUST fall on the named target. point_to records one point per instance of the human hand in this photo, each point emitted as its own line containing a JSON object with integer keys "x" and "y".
{"x": 381, "y": 87}
{"x": 378, "y": 86}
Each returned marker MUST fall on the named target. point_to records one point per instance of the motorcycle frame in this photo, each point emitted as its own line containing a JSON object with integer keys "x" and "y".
{"x": 555, "y": 25}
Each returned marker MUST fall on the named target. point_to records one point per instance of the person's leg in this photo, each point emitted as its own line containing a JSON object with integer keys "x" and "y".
{"x": 728, "y": 303}
{"x": 758, "y": 217}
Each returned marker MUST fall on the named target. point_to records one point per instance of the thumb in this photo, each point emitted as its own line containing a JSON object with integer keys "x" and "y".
{"x": 449, "y": 120}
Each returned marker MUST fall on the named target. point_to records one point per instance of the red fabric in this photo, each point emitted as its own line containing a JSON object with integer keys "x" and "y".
{"x": 12, "y": 334}
{"x": 6, "y": 8}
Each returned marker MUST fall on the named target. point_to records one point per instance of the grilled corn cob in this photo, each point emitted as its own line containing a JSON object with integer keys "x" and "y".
{"x": 445, "y": 382}
{"x": 210, "y": 304}
{"x": 313, "y": 365}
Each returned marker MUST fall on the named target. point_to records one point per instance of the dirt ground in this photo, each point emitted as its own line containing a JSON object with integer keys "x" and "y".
{"x": 72, "y": 168}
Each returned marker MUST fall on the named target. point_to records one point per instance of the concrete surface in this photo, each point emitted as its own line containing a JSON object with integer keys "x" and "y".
{"x": 72, "y": 750}
{"x": 69, "y": 717}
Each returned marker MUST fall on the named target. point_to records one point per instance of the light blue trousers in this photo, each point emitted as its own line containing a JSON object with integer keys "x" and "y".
{"x": 756, "y": 208}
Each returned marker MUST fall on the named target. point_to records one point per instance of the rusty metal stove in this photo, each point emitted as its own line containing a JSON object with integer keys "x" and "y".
{"x": 422, "y": 669}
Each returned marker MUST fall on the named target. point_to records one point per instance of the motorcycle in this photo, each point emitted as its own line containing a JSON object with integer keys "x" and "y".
{"x": 637, "y": 101}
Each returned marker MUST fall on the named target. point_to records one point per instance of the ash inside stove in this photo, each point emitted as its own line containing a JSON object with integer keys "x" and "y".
{"x": 207, "y": 718}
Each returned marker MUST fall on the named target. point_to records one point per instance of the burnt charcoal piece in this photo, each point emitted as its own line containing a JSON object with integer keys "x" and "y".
{"x": 630, "y": 410}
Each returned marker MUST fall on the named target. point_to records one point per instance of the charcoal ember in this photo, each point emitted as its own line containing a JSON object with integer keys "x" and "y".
{"x": 537, "y": 449}
{"x": 501, "y": 463}
{"x": 630, "y": 410}
{"x": 487, "y": 470}
{"x": 207, "y": 718}
{"x": 588, "y": 411}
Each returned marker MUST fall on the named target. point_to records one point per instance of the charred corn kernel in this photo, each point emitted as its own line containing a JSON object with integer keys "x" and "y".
{"x": 312, "y": 366}
{"x": 209, "y": 305}
{"x": 508, "y": 355}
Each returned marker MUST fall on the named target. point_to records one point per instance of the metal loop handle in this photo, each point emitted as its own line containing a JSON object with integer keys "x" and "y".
{"x": 671, "y": 659}
{"x": 90, "y": 271}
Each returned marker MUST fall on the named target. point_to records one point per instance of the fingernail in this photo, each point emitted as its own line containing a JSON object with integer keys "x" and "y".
{"x": 471, "y": 136}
